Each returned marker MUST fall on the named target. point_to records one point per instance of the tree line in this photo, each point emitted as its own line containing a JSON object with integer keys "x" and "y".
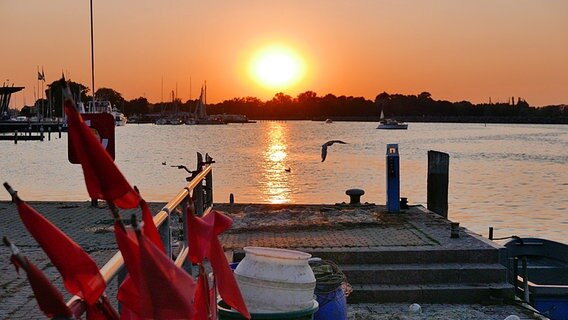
{"x": 309, "y": 106}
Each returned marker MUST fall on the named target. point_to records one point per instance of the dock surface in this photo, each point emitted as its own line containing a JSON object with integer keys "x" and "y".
{"x": 336, "y": 230}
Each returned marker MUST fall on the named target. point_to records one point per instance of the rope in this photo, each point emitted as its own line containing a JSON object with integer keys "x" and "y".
{"x": 329, "y": 277}
{"x": 509, "y": 237}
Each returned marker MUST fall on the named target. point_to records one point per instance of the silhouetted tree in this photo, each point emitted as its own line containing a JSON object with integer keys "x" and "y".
{"x": 55, "y": 94}
{"x": 114, "y": 97}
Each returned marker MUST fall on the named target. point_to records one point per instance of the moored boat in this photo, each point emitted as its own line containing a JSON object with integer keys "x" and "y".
{"x": 390, "y": 124}
{"x": 119, "y": 117}
{"x": 540, "y": 272}
{"x": 103, "y": 106}
{"x": 200, "y": 115}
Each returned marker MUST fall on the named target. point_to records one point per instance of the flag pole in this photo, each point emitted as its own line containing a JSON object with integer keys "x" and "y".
{"x": 92, "y": 55}
{"x": 94, "y": 201}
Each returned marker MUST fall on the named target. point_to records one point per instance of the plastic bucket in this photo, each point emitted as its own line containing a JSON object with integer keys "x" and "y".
{"x": 332, "y": 305}
{"x": 226, "y": 313}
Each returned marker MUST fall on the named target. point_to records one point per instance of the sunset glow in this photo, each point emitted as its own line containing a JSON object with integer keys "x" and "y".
{"x": 454, "y": 50}
{"x": 276, "y": 67}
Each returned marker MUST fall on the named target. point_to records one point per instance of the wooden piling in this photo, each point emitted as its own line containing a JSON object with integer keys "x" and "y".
{"x": 438, "y": 182}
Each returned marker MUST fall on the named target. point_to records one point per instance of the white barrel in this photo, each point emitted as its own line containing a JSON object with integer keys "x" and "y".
{"x": 275, "y": 280}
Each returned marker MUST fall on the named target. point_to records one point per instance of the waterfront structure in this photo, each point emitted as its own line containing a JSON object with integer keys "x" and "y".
{"x": 5, "y": 95}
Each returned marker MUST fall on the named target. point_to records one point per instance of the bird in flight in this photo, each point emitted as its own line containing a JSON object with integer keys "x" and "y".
{"x": 327, "y": 144}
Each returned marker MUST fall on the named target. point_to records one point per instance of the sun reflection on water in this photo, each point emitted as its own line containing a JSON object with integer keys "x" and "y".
{"x": 276, "y": 184}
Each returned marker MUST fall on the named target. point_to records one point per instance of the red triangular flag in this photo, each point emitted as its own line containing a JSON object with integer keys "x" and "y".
{"x": 128, "y": 292}
{"x": 149, "y": 228}
{"x": 203, "y": 237}
{"x": 226, "y": 283}
{"x": 49, "y": 299}
{"x": 80, "y": 273}
{"x": 102, "y": 310}
{"x": 102, "y": 177}
{"x": 205, "y": 302}
{"x": 166, "y": 291}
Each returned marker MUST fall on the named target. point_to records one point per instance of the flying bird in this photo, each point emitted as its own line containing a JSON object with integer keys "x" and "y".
{"x": 327, "y": 144}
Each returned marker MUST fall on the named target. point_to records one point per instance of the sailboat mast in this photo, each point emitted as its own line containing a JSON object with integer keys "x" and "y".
{"x": 92, "y": 55}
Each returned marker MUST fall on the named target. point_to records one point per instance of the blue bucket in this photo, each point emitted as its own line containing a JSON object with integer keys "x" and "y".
{"x": 332, "y": 305}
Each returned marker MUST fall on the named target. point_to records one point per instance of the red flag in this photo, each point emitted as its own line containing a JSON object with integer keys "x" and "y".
{"x": 102, "y": 310}
{"x": 102, "y": 177}
{"x": 129, "y": 292}
{"x": 149, "y": 228}
{"x": 205, "y": 300}
{"x": 49, "y": 299}
{"x": 166, "y": 291}
{"x": 80, "y": 273}
{"x": 204, "y": 242}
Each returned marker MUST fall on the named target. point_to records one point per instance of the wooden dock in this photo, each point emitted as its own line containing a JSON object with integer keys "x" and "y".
{"x": 390, "y": 260}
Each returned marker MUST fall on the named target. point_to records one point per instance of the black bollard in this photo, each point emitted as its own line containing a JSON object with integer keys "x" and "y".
{"x": 15, "y": 136}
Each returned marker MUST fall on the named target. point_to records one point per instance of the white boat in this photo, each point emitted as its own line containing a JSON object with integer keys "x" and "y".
{"x": 119, "y": 118}
{"x": 391, "y": 124}
{"x": 103, "y": 106}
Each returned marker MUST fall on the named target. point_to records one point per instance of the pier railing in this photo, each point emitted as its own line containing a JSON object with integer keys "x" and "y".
{"x": 197, "y": 192}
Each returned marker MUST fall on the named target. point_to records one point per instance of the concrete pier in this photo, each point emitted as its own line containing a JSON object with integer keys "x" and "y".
{"x": 390, "y": 260}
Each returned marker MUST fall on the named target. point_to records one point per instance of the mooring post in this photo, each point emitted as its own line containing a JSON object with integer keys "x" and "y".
{"x": 15, "y": 136}
{"x": 48, "y": 133}
{"x": 393, "y": 178}
{"x": 438, "y": 181}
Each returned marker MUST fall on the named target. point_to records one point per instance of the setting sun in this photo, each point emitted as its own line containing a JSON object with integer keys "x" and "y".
{"x": 276, "y": 67}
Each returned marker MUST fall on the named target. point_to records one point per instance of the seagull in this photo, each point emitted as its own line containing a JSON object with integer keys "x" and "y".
{"x": 327, "y": 144}
{"x": 288, "y": 169}
{"x": 164, "y": 163}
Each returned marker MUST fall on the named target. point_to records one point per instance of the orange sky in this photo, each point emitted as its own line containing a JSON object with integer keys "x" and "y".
{"x": 456, "y": 50}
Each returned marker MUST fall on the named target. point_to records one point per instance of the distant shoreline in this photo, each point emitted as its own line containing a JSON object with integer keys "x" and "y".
{"x": 431, "y": 119}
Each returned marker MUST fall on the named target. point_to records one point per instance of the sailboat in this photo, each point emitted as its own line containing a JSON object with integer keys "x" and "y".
{"x": 390, "y": 124}
{"x": 200, "y": 115}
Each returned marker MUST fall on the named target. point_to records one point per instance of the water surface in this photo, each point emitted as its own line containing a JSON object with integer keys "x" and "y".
{"x": 508, "y": 176}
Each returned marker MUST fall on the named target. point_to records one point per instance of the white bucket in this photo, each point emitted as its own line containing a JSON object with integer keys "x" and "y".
{"x": 273, "y": 279}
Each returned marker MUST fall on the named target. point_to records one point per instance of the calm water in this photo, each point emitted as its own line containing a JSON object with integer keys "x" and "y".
{"x": 511, "y": 177}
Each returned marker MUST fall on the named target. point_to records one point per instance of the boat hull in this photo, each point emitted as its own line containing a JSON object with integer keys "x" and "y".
{"x": 393, "y": 126}
{"x": 540, "y": 271}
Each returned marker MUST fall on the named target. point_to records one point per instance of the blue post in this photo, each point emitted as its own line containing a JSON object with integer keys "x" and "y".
{"x": 393, "y": 178}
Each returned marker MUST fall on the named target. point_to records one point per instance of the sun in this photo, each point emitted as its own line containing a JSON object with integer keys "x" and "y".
{"x": 276, "y": 66}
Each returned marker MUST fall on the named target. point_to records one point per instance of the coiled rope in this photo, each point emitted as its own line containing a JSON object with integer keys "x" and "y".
{"x": 329, "y": 277}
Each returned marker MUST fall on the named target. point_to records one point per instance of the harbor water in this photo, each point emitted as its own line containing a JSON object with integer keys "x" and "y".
{"x": 512, "y": 177}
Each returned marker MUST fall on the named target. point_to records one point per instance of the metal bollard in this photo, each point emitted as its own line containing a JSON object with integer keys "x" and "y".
{"x": 455, "y": 230}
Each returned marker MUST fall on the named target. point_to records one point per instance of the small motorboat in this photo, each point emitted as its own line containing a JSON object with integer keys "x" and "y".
{"x": 539, "y": 270}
